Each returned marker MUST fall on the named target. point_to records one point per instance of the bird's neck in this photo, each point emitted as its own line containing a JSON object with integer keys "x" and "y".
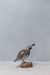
{"x": 28, "y": 50}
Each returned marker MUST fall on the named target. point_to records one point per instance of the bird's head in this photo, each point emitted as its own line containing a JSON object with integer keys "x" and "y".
{"x": 29, "y": 47}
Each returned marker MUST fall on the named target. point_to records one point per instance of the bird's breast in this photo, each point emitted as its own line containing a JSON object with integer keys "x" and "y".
{"x": 28, "y": 52}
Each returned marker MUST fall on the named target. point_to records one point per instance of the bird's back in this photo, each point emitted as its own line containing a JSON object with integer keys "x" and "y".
{"x": 22, "y": 54}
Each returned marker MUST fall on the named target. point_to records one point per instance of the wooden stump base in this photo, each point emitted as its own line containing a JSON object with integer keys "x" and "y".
{"x": 26, "y": 65}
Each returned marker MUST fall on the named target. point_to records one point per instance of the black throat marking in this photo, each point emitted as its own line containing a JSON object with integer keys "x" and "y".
{"x": 28, "y": 52}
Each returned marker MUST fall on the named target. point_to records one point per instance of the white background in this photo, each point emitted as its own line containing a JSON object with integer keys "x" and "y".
{"x": 23, "y": 22}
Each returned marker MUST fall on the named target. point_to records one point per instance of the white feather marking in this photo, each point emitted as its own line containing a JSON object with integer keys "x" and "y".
{"x": 22, "y": 52}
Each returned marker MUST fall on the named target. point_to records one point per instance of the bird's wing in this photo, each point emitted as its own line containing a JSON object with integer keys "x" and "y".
{"x": 21, "y": 54}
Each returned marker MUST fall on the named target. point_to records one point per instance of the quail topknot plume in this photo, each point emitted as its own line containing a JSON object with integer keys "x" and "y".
{"x": 24, "y": 53}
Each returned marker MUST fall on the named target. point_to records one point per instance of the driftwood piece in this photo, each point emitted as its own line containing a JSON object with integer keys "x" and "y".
{"x": 26, "y": 65}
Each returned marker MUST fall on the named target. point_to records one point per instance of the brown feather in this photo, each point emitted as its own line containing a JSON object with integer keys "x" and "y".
{"x": 21, "y": 54}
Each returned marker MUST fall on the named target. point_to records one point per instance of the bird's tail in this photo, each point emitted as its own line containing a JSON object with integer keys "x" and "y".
{"x": 15, "y": 60}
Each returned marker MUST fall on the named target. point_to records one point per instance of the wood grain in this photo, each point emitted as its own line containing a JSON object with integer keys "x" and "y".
{"x": 26, "y": 65}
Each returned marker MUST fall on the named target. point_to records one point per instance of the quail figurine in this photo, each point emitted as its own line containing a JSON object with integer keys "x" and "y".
{"x": 24, "y": 53}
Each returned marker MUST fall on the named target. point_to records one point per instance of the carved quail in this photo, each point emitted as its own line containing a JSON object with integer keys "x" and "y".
{"x": 23, "y": 54}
